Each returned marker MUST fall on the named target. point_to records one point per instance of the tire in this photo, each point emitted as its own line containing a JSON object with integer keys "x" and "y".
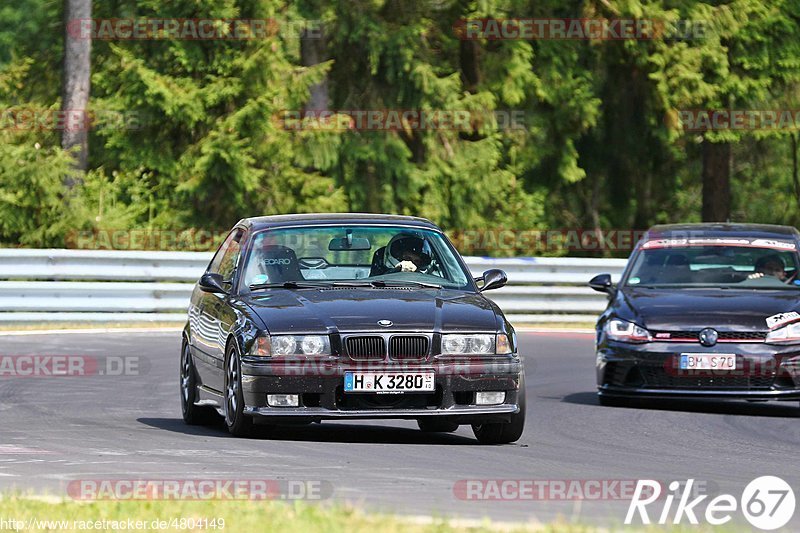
{"x": 194, "y": 415}
{"x": 429, "y": 425}
{"x": 503, "y": 432}
{"x": 239, "y": 424}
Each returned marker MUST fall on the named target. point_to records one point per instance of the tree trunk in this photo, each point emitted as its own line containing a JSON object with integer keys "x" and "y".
{"x": 76, "y": 86}
{"x": 372, "y": 187}
{"x": 716, "y": 181}
{"x": 313, "y": 50}
{"x": 470, "y": 71}
{"x": 795, "y": 179}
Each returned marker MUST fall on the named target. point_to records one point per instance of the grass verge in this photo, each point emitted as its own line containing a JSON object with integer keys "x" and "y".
{"x": 45, "y": 514}
{"x": 25, "y": 513}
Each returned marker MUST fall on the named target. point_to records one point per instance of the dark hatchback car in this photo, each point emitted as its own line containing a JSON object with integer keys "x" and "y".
{"x": 703, "y": 310}
{"x": 302, "y": 318}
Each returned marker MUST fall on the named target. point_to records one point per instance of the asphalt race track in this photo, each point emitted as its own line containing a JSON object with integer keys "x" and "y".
{"x": 58, "y": 429}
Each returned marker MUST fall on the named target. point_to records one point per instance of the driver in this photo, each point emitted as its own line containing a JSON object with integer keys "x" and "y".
{"x": 769, "y": 265}
{"x": 407, "y": 253}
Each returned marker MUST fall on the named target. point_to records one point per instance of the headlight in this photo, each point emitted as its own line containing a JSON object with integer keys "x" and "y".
{"x": 624, "y": 331}
{"x": 789, "y": 334}
{"x": 286, "y": 345}
{"x": 484, "y": 344}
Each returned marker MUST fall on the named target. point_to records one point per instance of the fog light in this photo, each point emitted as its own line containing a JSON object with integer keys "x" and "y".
{"x": 490, "y": 398}
{"x": 283, "y": 400}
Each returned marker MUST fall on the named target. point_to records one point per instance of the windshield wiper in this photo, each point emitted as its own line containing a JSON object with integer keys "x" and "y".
{"x": 380, "y": 284}
{"x": 383, "y": 284}
{"x": 290, "y": 285}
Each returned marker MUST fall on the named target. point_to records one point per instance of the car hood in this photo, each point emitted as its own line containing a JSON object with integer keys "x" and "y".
{"x": 692, "y": 309}
{"x": 357, "y": 309}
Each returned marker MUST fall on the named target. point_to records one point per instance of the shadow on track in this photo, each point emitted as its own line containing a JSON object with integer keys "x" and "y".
{"x": 325, "y": 432}
{"x": 787, "y": 409}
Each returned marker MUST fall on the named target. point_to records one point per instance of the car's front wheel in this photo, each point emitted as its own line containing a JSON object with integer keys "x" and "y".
{"x": 192, "y": 414}
{"x": 436, "y": 426}
{"x": 239, "y": 424}
{"x": 504, "y": 432}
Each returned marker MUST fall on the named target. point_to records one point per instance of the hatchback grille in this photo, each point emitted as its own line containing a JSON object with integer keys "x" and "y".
{"x": 724, "y": 336}
{"x": 408, "y": 347}
{"x": 656, "y": 376}
{"x": 742, "y": 335}
{"x": 366, "y": 348}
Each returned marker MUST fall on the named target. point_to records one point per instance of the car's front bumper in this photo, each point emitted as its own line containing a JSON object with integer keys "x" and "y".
{"x": 764, "y": 371}
{"x": 320, "y": 385}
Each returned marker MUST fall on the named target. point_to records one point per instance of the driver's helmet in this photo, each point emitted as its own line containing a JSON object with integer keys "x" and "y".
{"x": 407, "y": 247}
{"x": 772, "y": 264}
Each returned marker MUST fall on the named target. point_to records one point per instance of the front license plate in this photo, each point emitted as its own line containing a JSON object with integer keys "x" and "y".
{"x": 702, "y": 361}
{"x": 389, "y": 382}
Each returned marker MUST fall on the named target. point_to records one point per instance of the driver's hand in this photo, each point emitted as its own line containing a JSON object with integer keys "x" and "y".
{"x": 407, "y": 266}
{"x": 756, "y": 275}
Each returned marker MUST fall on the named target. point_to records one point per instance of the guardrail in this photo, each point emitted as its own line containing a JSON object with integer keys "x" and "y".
{"x": 123, "y": 286}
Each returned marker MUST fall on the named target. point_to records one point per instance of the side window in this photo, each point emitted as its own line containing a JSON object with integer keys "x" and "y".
{"x": 224, "y": 262}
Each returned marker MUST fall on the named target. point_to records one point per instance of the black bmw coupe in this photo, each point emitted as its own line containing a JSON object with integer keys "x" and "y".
{"x": 301, "y": 318}
{"x": 703, "y": 310}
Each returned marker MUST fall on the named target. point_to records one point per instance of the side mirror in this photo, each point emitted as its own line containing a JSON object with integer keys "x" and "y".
{"x": 210, "y": 282}
{"x": 493, "y": 279}
{"x": 602, "y": 283}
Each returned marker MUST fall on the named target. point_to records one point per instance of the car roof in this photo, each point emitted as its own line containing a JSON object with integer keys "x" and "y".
{"x": 719, "y": 229}
{"x": 316, "y": 219}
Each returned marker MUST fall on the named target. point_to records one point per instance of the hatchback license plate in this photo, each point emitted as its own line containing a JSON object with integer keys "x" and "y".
{"x": 389, "y": 382}
{"x": 717, "y": 361}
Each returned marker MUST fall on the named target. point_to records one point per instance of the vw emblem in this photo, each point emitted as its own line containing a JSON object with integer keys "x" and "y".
{"x": 708, "y": 337}
{"x": 385, "y": 323}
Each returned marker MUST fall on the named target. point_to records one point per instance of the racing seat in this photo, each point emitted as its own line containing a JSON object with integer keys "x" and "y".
{"x": 280, "y": 264}
{"x": 652, "y": 269}
{"x": 677, "y": 269}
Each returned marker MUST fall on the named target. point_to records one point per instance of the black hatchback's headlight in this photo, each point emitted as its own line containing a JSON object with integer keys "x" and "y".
{"x": 624, "y": 331}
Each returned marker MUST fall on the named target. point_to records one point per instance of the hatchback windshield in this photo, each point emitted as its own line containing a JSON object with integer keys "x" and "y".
{"x": 746, "y": 265}
{"x": 364, "y": 254}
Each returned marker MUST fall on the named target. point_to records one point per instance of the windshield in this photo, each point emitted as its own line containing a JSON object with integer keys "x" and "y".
{"x": 379, "y": 255}
{"x": 745, "y": 267}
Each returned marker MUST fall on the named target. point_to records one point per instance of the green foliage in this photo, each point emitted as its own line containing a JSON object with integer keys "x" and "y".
{"x": 188, "y": 133}
{"x": 31, "y": 205}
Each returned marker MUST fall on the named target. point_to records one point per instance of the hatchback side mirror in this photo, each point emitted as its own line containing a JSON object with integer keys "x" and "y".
{"x": 210, "y": 282}
{"x": 602, "y": 283}
{"x": 493, "y": 279}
